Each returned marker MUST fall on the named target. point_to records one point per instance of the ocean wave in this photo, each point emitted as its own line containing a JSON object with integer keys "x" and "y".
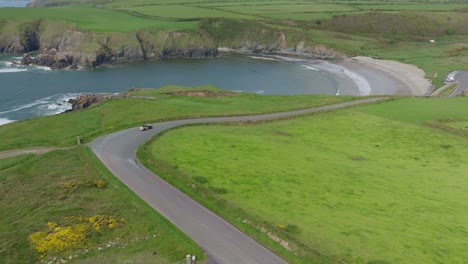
{"x": 6, "y": 63}
{"x": 264, "y": 58}
{"x": 310, "y": 68}
{"x": 50, "y": 105}
{"x": 260, "y": 92}
{"x": 284, "y": 58}
{"x": 4, "y": 121}
{"x": 41, "y": 68}
{"x": 12, "y": 70}
{"x": 361, "y": 82}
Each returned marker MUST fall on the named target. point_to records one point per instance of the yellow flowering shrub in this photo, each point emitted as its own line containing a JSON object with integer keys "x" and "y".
{"x": 102, "y": 221}
{"x": 87, "y": 182}
{"x": 71, "y": 184}
{"x": 100, "y": 184}
{"x": 59, "y": 239}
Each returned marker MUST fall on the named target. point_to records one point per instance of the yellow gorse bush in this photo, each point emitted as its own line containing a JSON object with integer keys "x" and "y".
{"x": 87, "y": 182}
{"x": 103, "y": 221}
{"x": 59, "y": 239}
{"x": 62, "y": 238}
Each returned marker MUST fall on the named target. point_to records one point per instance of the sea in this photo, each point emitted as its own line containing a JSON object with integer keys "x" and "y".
{"x": 28, "y": 91}
{"x": 14, "y": 3}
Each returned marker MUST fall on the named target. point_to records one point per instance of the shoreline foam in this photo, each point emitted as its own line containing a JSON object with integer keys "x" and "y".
{"x": 4, "y": 121}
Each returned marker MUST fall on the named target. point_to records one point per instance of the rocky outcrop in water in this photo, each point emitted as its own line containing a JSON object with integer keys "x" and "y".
{"x": 86, "y": 100}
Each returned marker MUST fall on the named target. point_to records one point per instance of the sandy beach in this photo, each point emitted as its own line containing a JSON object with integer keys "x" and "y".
{"x": 389, "y": 77}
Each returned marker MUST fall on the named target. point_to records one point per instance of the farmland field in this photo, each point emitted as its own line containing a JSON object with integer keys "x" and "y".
{"x": 184, "y": 12}
{"x": 269, "y": 9}
{"x": 94, "y": 20}
{"x": 369, "y": 184}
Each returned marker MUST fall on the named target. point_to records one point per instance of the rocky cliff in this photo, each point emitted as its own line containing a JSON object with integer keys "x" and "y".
{"x": 60, "y": 44}
{"x": 86, "y": 100}
{"x": 257, "y": 37}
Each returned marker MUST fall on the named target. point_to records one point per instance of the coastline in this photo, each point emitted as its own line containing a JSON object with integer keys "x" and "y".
{"x": 371, "y": 76}
{"x": 359, "y": 76}
{"x": 389, "y": 77}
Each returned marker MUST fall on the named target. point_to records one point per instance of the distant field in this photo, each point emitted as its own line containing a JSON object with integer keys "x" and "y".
{"x": 270, "y": 9}
{"x": 93, "y": 19}
{"x": 416, "y": 110}
{"x": 371, "y": 184}
{"x": 421, "y": 7}
{"x": 184, "y": 12}
{"x": 37, "y": 190}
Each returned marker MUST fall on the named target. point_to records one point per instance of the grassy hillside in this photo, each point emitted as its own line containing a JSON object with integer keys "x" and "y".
{"x": 40, "y": 194}
{"x": 381, "y": 183}
{"x": 78, "y": 193}
{"x": 147, "y": 106}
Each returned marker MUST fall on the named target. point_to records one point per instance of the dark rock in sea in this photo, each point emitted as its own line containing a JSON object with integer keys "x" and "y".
{"x": 27, "y": 59}
{"x": 86, "y": 100}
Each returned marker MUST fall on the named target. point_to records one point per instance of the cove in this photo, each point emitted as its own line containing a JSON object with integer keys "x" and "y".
{"x": 27, "y": 92}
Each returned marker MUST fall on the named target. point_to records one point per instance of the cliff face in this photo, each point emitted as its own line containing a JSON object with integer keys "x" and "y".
{"x": 62, "y": 45}
{"x": 256, "y": 37}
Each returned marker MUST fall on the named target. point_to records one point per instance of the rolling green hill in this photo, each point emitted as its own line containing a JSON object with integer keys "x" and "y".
{"x": 381, "y": 183}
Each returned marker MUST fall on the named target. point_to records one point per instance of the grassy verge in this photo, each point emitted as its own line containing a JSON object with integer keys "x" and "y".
{"x": 449, "y": 90}
{"x": 370, "y": 184}
{"x": 147, "y": 106}
{"x": 37, "y": 190}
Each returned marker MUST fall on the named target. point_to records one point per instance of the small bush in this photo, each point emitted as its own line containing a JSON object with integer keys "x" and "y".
{"x": 201, "y": 179}
{"x": 105, "y": 221}
{"x": 59, "y": 239}
{"x": 100, "y": 184}
{"x": 292, "y": 229}
{"x": 218, "y": 190}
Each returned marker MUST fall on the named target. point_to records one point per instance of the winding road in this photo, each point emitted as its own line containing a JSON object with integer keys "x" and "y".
{"x": 222, "y": 242}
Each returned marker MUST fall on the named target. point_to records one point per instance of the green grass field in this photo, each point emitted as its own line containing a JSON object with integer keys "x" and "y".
{"x": 461, "y": 125}
{"x": 34, "y": 192}
{"x": 116, "y": 114}
{"x": 184, "y": 12}
{"x": 91, "y": 18}
{"x": 369, "y": 184}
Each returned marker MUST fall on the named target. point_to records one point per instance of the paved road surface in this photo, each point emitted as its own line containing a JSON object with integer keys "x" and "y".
{"x": 462, "y": 77}
{"x": 222, "y": 242}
